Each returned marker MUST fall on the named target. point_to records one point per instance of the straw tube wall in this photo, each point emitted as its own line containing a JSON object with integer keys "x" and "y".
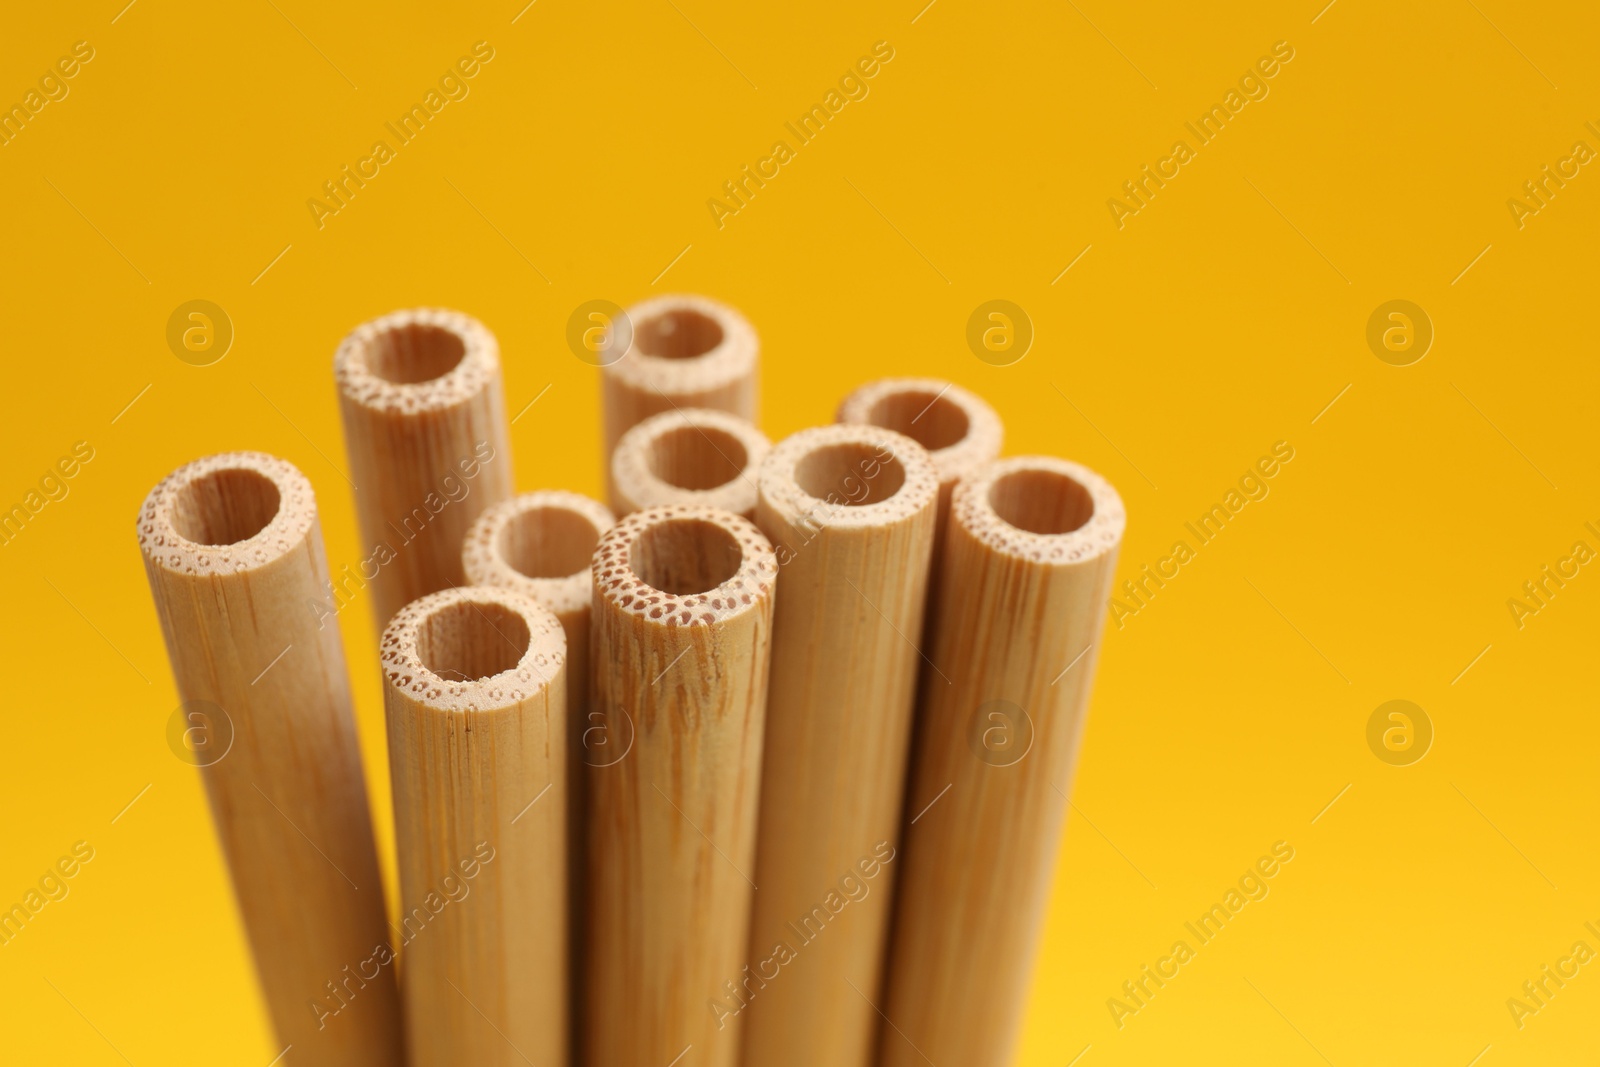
{"x": 233, "y": 550}
{"x": 475, "y": 690}
{"x": 678, "y": 351}
{"x": 683, "y": 601}
{"x": 541, "y": 544}
{"x": 693, "y": 456}
{"x": 1028, "y": 562}
{"x": 425, "y": 428}
{"x": 960, "y": 431}
{"x": 850, "y": 511}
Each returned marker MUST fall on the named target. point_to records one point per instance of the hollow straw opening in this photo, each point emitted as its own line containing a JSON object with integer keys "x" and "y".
{"x": 225, "y": 506}
{"x": 685, "y": 556}
{"x": 697, "y": 457}
{"x": 930, "y": 419}
{"x": 466, "y": 642}
{"x": 851, "y": 473}
{"x": 414, "y": 353}
{"x": 548, "y": 542}
{"x": 678, "y": 334}
{"x": 1041, "y": 501}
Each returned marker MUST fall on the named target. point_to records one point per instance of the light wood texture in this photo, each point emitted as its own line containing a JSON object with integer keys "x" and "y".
{"x": 692, "y": 456}
{"x": 960, "y": 431}
{"x": 850, "y": 511}
{"x": 475, "y": 690}
{"x": 233, "y": 550}
{"x": 541, "y": 545}
{"x": 1028, "y": 562}
{"x": 682, "y": 630}
{"x": 677, "y": 351}
{"x": 425, "y": 428}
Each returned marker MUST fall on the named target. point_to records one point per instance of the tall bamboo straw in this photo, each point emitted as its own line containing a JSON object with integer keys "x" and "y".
{"x": 233, "y": 551}
{"x": 425, "y": 427}
{"x": 693, "y": 456}
{"x": 541, "y": 545}
{"x": 682, "y": 628}
{"x": 1028, "y": 562}
{"x": 960, "y": 431}
{"x": 850, "y": 510}
{"x": 678, "y": 351}
{"x": 475, "y": 689}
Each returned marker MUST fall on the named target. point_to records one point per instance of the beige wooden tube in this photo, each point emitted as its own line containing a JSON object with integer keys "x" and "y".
{"x": 1028, "y": 562}
{"x": 692, "y": 456}
{"x": 958, "y": 428}
{"x": 678, "y": 351}
{"x": 682, "y": 629}
{"x": 850, "y": 512}
{"x": 233, "y": 550}
{"x": 475, "y": 687}
{"x": 425, "y": 428}
{"x": 541, "y": 545}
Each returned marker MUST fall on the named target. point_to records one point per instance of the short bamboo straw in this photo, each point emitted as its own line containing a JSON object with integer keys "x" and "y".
{"x": 475, "y": 691}
{"x": 850, "y": 511}
{"x": 425, "y": 427}
{"x": 1030, "y": 552}
{"x": 957, "y": 427}
{"x": 682, "y": 629}
{"x": 233, "y": 551}
{"x": 679, "y": 351}
{"x": 690, "y": 456}
{"x": 541, "y": 544}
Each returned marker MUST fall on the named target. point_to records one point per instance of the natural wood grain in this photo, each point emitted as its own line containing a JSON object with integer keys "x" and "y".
{"x": 693, "y": 456}
{"x": 850, "y": 511}
{"x": 233, "y": 550}
{"x": 960, "y": 431}
{"x": 1028, "y": 562}
{"x": 541, "y": 545}
{"x": 682, "y": 629}
{"x": 677, "y": 352}
{"x": 425, "y": 428}
{"x": 475, "y": 690}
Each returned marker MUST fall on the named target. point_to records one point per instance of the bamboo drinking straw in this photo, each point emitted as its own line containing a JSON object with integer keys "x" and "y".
{"x": 541, "y": 544}
{"x": 850, "y": 511}
{"x": 425, "y": 427}
{"x": 679, "y": 351}
{"x": 475, "y": 693}
{"x": 957, "y": 427}
{"x": 1028, "y": 561}
{"x": 233, "y": 551}
{"x": 688, "y": 456}
{"x": 682, "y": 627}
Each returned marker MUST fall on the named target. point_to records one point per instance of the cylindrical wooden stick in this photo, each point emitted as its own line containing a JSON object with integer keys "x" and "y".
{"x": 682, "y": 630}
{"x": 960, "y": 431}
{"x": 850, "y": 512}
{"x": 541, "y": 544}
{"x": 1028, "y": 561}
{"x": 475, "y": 693}
{"x": 233, "y": 551}
{"x": 679, "y": 351}
{"x": 693, "y": 456}
{"x": 425, "y": 427}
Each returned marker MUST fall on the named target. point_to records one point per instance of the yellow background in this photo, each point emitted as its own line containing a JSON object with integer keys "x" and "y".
{"x": 1222, "y": 318}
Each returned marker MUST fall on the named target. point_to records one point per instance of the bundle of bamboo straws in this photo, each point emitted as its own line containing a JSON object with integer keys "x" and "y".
{"x": 605, "y": 734}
